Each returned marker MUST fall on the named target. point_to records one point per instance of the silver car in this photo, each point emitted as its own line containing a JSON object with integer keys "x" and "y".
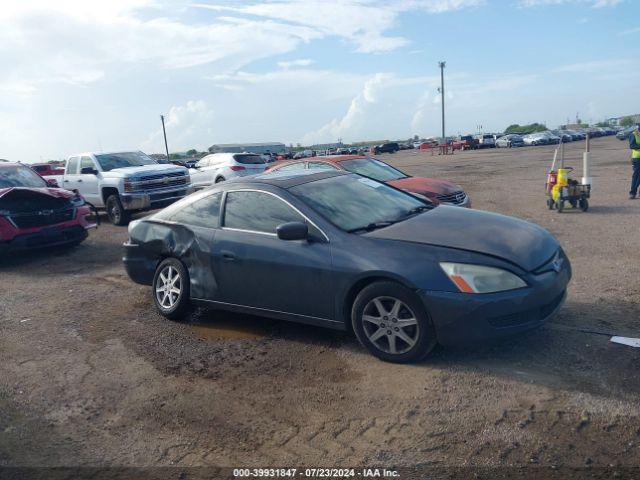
{"x": 218, "y": 167}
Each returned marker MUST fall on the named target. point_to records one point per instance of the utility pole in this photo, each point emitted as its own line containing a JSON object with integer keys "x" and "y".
{"x": 442, "y": 65}
{"x": 164, "y": 132}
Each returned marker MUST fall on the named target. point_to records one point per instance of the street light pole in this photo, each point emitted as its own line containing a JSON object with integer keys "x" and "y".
{"x": 164, "y": 132}
{"x": 442, "y": 65}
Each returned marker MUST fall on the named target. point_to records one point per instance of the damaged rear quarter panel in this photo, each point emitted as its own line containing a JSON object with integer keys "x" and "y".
{"x": 158, "y": 240}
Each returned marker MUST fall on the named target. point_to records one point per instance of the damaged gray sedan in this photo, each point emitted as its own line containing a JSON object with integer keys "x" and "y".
{"x": 342, "y": 251}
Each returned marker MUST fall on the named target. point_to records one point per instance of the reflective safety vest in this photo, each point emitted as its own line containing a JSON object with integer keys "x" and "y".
{"x": 636, "y": 153}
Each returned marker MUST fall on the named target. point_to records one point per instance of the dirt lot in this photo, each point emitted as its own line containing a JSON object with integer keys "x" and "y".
{"x": 90, "y": 375}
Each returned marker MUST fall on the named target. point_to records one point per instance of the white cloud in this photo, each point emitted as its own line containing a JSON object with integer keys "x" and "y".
{"x": 188, "y": 126}
{"x": 631, "y": 31}
{"x": 303, "y": 62}
{"x": 596, "y": 66}
{"x": 591, "y": 3}
{"x": 361, "y": 22}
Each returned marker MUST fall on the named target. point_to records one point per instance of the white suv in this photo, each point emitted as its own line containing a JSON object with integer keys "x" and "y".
{"x": 219, "y": 167}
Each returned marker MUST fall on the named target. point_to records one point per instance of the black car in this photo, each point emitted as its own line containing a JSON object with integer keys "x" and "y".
{"x": 390, "y": 147}
{"x": 347, "y": 252}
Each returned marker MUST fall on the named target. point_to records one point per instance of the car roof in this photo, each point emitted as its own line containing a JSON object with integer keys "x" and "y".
{"x": 12, "y": 164}
{"x": 286, "y": 179}
{"x": 323, "y": 158}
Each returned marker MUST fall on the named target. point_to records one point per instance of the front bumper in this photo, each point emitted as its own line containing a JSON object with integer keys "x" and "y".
{"x": 46, "y": 237}
{"x": 463, "y": 319}
{"x": 153, "y": 199}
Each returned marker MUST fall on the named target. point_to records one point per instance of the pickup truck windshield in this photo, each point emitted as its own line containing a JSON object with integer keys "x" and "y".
{"x": 19, "y": 176}
{"x": 109, "y": 161}
{"x": 372, "y": 168}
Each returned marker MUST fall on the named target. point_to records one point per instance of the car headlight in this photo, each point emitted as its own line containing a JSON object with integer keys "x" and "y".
{"x": 480, "y": 279}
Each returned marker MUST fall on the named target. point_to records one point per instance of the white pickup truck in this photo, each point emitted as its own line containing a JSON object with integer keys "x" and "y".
{"x": 124, "y": 182}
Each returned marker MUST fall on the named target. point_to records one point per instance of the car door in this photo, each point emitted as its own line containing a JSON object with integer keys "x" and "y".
{"x": 88, "y": 183}
{"x": 198, "y": 173}
{"x": 70, "y": 181}
{"x": 254, "y": 268}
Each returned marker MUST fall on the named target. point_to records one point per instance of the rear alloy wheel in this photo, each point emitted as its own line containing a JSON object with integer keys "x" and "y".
{"x": 116, "y": 212}
{"x": 390, "y": 321}
{"x": 171, "y": 289}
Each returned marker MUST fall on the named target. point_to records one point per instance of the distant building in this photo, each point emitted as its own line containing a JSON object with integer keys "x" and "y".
{"x": 271, "y": 147}
{"x": 615, "y": 121}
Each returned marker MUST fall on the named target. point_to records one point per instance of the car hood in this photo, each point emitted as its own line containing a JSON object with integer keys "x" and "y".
{"x": 52, "y": 192}
{"x": 517, "y": 241}
{"x": 144, "y": 169}
{"x": 425, "y": 185}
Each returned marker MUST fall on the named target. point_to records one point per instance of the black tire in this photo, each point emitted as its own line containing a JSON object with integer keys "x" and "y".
{"x": 179, "y": 304}
{"x": 560, "y": 205}
{"x": 421, "y": 332}
{"x": 220, "y": 179}
{"x": 116, "y": 212}
{"x": 584, "y": 204}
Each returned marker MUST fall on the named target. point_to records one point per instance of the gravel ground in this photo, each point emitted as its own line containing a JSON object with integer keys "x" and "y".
{"x": 90, "y": 375}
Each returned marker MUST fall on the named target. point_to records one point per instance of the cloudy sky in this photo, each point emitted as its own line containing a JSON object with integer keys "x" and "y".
{"x": 82, "y": 75}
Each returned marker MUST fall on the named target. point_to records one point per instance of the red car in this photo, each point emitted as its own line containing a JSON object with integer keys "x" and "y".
{"x": 44, "y": 169}
{"x": 34, "y": 215}
{"x": 438, "y": 191}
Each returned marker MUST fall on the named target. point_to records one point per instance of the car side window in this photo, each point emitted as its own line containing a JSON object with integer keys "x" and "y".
{"x": 72, "y": 165}
{"x": 86, "y": 162}
{"x": 257, "y": 212}
{"x": 321, "y": 166}
{"x": 292, "y": 167}
{"x": 201, "y": 213}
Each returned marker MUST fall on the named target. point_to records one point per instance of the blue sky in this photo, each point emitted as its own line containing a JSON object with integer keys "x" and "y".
{"x": 93, "y": 75}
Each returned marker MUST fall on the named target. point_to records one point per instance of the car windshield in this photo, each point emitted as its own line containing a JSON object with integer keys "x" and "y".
{"x": 370, "y": 167}
{"x": 358, "y": 204}
{"x": 109, "y": 161}
{"x": 20, "y": 176}
{"x": 250, "y": 159}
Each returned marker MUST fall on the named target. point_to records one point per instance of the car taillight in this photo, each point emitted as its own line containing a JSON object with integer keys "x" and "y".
{"x": 236, "y": 168}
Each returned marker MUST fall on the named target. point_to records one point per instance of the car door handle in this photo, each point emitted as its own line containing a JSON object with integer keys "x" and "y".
{"x": 65, "y": 181}
{"x": 79, "y": 180}
{"x": 228, "y": 256}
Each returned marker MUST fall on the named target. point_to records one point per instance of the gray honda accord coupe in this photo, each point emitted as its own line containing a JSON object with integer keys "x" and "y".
{"x": 342, "y": 251}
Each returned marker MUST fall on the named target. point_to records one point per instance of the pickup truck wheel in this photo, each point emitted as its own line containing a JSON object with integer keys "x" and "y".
{"x": 171, "y": 289}
{"x": 116, "y": 212}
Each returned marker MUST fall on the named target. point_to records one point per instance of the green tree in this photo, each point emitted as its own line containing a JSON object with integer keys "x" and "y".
{"x": 626, "y": 121}
{"x": 533, "y": 127}
{"x": 192, "y": 152}
{"x": 602, "y": 124}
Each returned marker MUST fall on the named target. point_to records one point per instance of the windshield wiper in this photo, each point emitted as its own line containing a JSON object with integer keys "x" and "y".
{"x": 372, "y": 226}
{"x": 417, "y": 210}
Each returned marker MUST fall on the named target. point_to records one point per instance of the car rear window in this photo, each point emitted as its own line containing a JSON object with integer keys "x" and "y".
{"x": 249, "y": 159}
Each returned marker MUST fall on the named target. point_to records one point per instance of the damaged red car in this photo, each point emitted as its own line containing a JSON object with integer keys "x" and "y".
{"x": 34, "y": 215}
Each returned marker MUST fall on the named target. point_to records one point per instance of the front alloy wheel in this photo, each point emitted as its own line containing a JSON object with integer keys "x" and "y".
{"x": 390, "y": 325}
{"x": 391, "y": 322}
{"x": 171, "y": 289}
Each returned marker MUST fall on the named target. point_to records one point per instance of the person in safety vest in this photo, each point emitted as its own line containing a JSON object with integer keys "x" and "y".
{"x": 634, "y": 144}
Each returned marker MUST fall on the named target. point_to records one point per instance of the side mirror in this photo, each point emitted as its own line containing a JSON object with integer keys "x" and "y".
{"x": 88, "y": 171}
{"x": 52, "y": 182}
{"x": 293, "y": 231}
